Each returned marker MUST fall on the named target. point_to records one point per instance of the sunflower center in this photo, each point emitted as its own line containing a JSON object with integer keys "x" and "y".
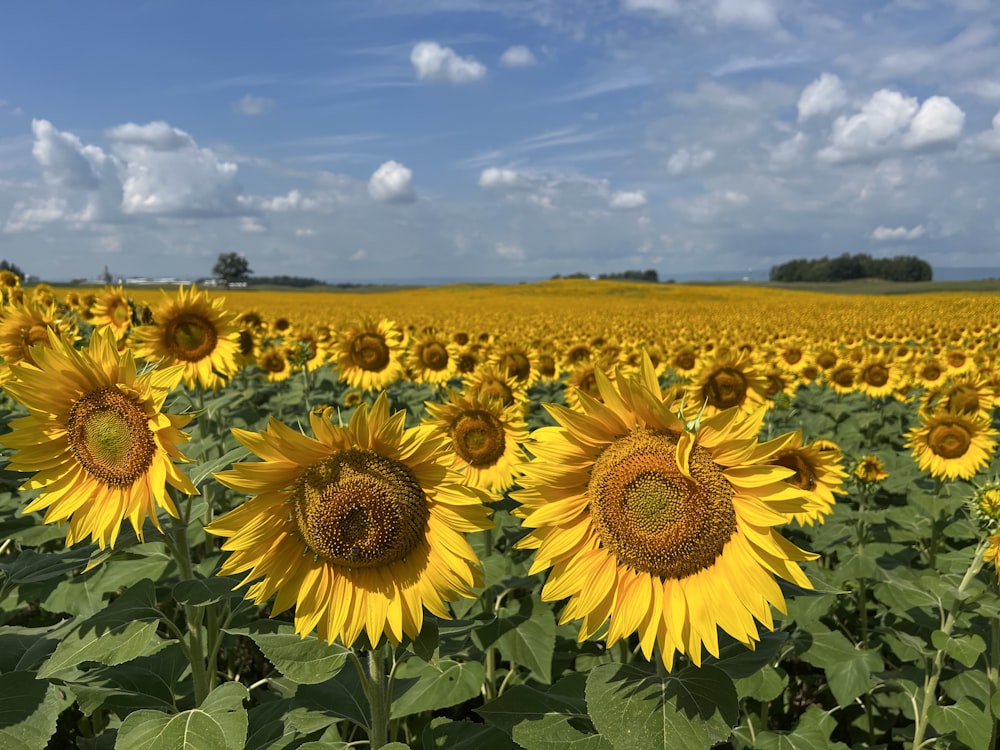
{"x": 119, "y": 312}
{"x": 804, "y": 476}
{"x": 931, "y": 372}
{"x": 956, "y": 358}
{"x": 492, "y": 388}
{"x": 650, "y": 515}
{"x": 109, "y": 435}
{"x": 546, "y": 365}
{"x": 726, "y": 387}
{"x": 826, "y": 359}
{"x": 360, "y": 509}
{"x": 516, "y": 365}
{"x": 949, "y": 440}
{"x": 876, "y": 374}
{"x": 793, "y": 355}
{"x": 434, "y": 356}
{"x": 273, "y": 361}
{"x": 370, "y": 352}
{"x": 190, "y": 337}
{"x": 478, "y": 437}
{"x": 844, "y": 376}
{"x": 685, "y": 360}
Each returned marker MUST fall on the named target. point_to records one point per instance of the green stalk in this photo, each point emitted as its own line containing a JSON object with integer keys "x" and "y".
{"x": 375, "y": 684}
{"x": 928, "y": 697}
{"x": 200, "y": 676}
{"x": 993, "y": 673}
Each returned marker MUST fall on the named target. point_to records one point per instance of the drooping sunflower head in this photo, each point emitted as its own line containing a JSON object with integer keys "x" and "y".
{"x": 663, "y": 527}
{"x": 870, "y": 470}
{"x": 992, "y": 554}
{"x": 360, "y": 528}
{"x": 488, "y": 381}
{"x": 949, "y": 444}
{"x": 273, "y": 361}
{"x": 818, "y": 471}
{"x": 369, "y": 355}
{"x": 986, "y": 504}
{"x": 485, "y": 436}
{"x": 114, "y": 310}
{"x": 95, "y": 437}
{"x": 195, "y": 331}
{"x": 965, "y": 394}
{"x": 26, "y": 325}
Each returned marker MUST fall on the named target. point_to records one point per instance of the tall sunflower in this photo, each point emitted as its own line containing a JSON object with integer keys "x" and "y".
{"x": 485, "y": 437}
{"x": 662, "y": 528}
{"x": 369, "y": 355}
{"x": 360, "y": 528}
{"x": 96, "y": 437}
{"x": 112, "y": 309}
{"x": 952, "y": 444}
{"x": 433, "y": 359}
{"x": 728, "y": 380}
{"x": 193, "y": 330}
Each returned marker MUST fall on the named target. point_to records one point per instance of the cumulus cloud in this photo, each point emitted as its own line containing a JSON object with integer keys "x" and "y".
{"x": 623, "y": 199}
{"x": 500, "y": 177}
{"x": 305, "y": 232}
{"x": 391, "y": 183}
{"x": 824, "y": 95}
{"x": 433, "y": 62}
{"x": 253, "y": 105}
{"x": 517, "y": 56}
{"x": 685, "y": 160}
{"x": 752, "y": 14}
{"x": 889, "y": 122}
{"x": 938, "y": 121}
{"x": 988, "y": 141}
{"x": 64, "y": 160}
{"x": 659, "y": 7}
{"x": 896, "y": 234}
{"x": 510, "y": 251}
{"x": 252, "y": 225}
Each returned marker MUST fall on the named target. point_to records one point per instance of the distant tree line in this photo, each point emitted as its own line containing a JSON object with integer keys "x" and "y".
{"x": 649, "y": 275}
{"x": 846, "y": 267}
{"x": 296, "y": 281}
{"x": 5, "y": 266}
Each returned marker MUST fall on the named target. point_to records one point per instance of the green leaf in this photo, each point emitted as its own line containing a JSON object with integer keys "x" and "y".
{"x": 849, "y": 669}
{"x": 556, "y": 732}
{"x": 971, "y": 723}
{"x": 341, "y": 697}
{"x": 124, "y": 630}
{"x": 31, "y": 567}
{"x": 425, "y": 686}
{"x": 692, "y": 708}
{"x": 812, "y": 733}
{"x": 964, "y": 649}
{"x": 995, "y": 704}
{"x": 146, "y": 682}
{"x": 736, "y": 660}
{"x": 307, "y": 661}
{"x": 29, "y": 709}
{"x": 220, "y": 722}
{"x": 203, "y": 591}
{"x": 201, "y": 472}
{"x": 522, "y": 703}
{"x": 465, "y": 735}
{"x": 526, "y": 637}
{"x": 765, "y": 684}
{"x": 22, "y": 648}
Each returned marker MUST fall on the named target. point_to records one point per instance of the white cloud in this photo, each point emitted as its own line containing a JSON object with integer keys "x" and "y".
{"x": 253, "y": 105}
{"x": 659, "y": 7}
{"x": 361, "y": 254}
{"x": 752, "y": 14}
{"x": 391, "y": 183}
{"x": 305, "y": 232}
{"x": 889, "y": 122}
{"x": 510, "y": 251}
{"x": 64, "y": 160}
{"x": 988, "y": 142}
{"x": 433, "y": 62}
{"x": 685, "y": 160}
{"x": 623, "y": 199}
{"x": 500, "y": 177}
{"x": 157, "y": 135}
{"x": 824, "y": 95}
{"x": 252, "y": 225}
{"x": 939, "y": 121}
{"x": 789, "y": 151}
{"x": 890, "y": 234}
{"x": 517, "y": 56}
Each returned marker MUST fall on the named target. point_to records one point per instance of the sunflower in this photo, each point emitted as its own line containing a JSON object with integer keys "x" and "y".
{"x": 360, "y": 528}
{"x": 485, "y": 437}
{"x": 992, "y": 553}
{"x": 112, "y": 309}
{"x": 24, "y": 325}
{"x": 583, "y": 379}
{"x": 870, "y": 469}
{"x": 876, "y": 376}
{"x": 662, "y": 527}
{"x": 726, "y": 381}
{"x": 841, "y": 377}
{"x": 685, "y": 361}
{"x": 195, "y": 331}
{"x": 818, "y": 471}
{"x": 966, "y": 394}
{"x": 433, "y": 359}
{"x": 986, "y": 504}
{"x": 490, "y": 381}
{"x": 273, "y": 361}
{"x": 952, "y": 444}
{"x": 516, "y": 361}
{"x": 369, "y": 355}
{"x": 95, "y": 437}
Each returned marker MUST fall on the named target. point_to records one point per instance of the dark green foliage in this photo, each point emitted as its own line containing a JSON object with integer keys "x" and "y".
{"x": 846, "y": 267}
{"x": 232, "y": 268}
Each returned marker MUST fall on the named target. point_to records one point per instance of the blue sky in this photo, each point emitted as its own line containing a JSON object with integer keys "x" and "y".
{"x": 513, "y": 140}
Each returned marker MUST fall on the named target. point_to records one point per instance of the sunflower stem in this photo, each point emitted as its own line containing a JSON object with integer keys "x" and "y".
{"x": 378, "y": 697}
{"x": 200, "y": 676}
{"x": 993, "y": 674}
{"x": 928, "y": 697}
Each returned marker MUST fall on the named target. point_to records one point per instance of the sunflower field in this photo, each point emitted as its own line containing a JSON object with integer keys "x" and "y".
{"x": 583, "y": 514}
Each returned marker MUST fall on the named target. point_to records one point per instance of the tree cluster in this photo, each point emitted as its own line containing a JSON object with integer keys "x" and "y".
{"x": 295, "y": 281}
{"x": 846, "y": 267}
{"x": 649, "y": 275}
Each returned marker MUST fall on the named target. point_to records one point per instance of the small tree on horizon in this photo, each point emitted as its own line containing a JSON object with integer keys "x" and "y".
{"x": 232, "y": 268}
